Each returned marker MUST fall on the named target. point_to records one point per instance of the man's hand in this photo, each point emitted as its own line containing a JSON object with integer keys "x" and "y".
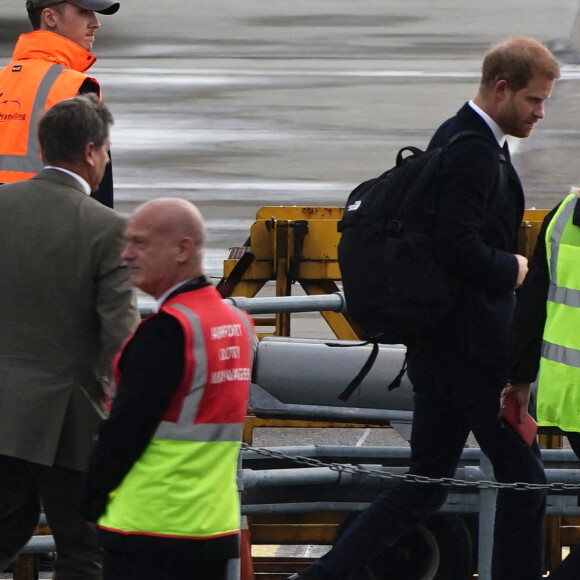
{"x": 522, "y": 269}
{"x": 521, "y": 392}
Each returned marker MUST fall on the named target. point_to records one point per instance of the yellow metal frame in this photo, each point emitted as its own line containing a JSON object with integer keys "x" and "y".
{"x": 299, "y": 244}
{"x": 294, "y": 244}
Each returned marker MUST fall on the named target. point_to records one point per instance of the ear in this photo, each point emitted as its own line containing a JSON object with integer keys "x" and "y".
{"x": 88, "y": 154}
{"x": 501, "y": 90}
{"x": 186, "y": 247}
{"x": 48, "y": 19}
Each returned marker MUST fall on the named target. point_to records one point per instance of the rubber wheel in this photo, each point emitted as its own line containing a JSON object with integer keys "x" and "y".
{"x": 439, "y": 549}
{"x": 457, "y": 560}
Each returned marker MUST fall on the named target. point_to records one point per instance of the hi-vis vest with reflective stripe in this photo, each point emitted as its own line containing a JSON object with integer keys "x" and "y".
{"x": 559, "y": 377}
{"x": 46, "y": 68}
{"x": 184, "y": 484}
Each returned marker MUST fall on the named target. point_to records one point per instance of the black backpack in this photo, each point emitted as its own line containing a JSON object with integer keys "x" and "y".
{"x": 394, "y": 288}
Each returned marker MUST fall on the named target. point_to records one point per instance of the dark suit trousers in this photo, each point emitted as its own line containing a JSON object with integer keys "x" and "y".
{"x": 438, "y": 437}
{"x": 155, "y": 566}
{"x": 24, "y": 487}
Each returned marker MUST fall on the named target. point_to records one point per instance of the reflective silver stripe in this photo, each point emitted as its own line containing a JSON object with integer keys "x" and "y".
{"x": 31, "y": 162}
{"x": 556, "y": 238}
{"x": 198, "y": 380}
{"x": 565, "y": 296}
{"x": 561, "y": 354}
{"x": 201, "y": 432}
{"x": 185, "y": 428}
{"x": 557, "y": 294}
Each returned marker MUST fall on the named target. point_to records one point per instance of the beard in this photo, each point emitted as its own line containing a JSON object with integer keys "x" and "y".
{"x": 513, "y": 123}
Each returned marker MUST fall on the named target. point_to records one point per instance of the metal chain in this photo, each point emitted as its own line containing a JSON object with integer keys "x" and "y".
{"x": 446, "y": 481}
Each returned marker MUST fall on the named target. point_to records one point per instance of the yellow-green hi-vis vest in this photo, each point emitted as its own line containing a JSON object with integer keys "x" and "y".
{"x": 559, "y": 377}
{"x": 184, "y": 484}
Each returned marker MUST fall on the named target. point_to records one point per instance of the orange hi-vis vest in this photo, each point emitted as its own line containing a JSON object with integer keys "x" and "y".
{"x": 46, "y": 68}
{"x": 184, "y": 484}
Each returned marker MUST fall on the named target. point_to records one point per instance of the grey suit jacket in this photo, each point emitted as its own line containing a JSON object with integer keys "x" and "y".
{"x": 66, "y": 305}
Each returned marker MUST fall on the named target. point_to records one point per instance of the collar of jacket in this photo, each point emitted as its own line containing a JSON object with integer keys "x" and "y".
{"x": 46, "y": 45}
{"x": 189, "y": 285}
{"x": 475, "y": 120}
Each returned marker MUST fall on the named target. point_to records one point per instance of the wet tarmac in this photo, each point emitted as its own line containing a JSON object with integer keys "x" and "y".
{"x": 238, "y": 105}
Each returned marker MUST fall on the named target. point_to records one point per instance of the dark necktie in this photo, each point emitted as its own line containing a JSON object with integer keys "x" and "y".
{"x": 506, "y": 150}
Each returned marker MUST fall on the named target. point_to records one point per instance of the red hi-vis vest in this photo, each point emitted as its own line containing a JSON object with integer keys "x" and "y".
{"x": 46, "y": 68}
{"x": 184, "y": 484}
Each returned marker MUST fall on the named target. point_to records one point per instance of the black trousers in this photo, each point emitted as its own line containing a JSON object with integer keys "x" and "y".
{"x": 437, "y": 440}
{"x": 24, "y": 487}
{"x": 152, "y": 566}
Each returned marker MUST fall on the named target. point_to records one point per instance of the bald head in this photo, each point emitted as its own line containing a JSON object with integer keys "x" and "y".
{"x": 173, "y": 217}
{"x": 165, "y": 243}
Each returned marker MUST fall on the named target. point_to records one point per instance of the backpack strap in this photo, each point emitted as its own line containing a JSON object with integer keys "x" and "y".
{"x": 353, "y": 385}
{"x": 396, "y": 382}
{"x": 470, "y": 134}
{"x": 414, "y": 151}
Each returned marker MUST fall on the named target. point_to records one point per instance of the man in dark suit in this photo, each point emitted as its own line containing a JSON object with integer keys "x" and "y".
{"x": 460, "y": 370}
{"x": 66, "y": 305}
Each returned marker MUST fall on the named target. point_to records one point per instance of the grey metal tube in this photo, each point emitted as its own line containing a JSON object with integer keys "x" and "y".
{"x": 271, "y": 305}
{"x": 233, "y": 569}
{"x": 324, "y": 475}
{"x": 487, "y": 499}
{"x": 549, "y": 456}
{"x": 334, "y": 302}
{"x": 337, "y": 506}
{"x": 563, "y": 476}
{"x": 310, "y": 372}
{"x": 339, "y": 451}
{"x": 346, "y": 506}
{"x": 302, "y": 507}
{"x": 294, "y": 476}
{"x": 349, "y": 415}
{"x": 39, "y": 544}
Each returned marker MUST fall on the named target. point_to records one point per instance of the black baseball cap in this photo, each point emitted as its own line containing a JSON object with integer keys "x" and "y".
{"x": 100, "y": 6}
